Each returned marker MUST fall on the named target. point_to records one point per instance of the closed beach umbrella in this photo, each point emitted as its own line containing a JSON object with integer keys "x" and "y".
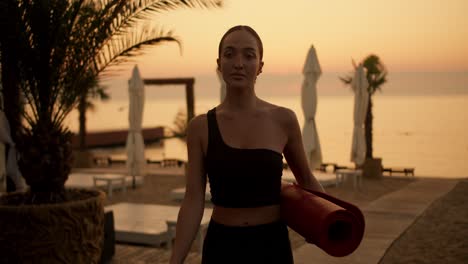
{"x": 312, "y": 72}
{"x": 361, "y": 101}
{"x": 222, "y": 85}
{"x": 135, "y": 145}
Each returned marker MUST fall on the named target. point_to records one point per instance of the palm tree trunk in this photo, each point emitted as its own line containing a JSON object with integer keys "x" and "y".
{"x": 368, "y": 130}
{"x": 82, "y": 122}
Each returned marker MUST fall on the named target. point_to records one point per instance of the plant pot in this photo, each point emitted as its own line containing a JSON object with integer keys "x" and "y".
{"x": 68, "y": 232}
{"x": 372, "y": 168}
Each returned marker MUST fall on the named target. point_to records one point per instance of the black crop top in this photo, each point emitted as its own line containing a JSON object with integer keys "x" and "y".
{"x": 241, "y": 178}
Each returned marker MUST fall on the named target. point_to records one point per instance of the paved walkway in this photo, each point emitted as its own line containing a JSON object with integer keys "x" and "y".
{"x": 386, "y": 219}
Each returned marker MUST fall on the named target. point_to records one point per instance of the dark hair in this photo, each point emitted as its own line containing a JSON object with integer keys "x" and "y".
{"x": 248, "y": 29}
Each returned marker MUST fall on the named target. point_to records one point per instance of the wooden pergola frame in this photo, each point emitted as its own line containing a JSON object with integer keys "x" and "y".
{"x": 189, "y": 92}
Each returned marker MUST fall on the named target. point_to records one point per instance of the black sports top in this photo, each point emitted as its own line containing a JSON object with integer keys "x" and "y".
{"x": 241, "y": 178}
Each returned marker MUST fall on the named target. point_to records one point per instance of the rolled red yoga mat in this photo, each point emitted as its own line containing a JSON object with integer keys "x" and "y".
{"x": 335, "y": 226}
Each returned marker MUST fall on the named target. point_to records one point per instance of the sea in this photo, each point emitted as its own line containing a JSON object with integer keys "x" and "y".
{"x": 420, "y": 118}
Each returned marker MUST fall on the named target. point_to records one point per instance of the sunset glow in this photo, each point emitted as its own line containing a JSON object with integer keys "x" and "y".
{"x": 408, "y": 35}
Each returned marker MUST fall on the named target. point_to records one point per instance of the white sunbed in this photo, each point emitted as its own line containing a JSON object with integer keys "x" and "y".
{"x": 87, "y": 181}
{"x": 146, "y": 223}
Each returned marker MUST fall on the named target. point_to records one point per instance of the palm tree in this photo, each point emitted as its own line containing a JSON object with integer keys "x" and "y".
{"x": 180, "y": 125}
{"x": 50, "y": 49}
{"x": 376, "y": 75}
{"x": 95, "y": 91}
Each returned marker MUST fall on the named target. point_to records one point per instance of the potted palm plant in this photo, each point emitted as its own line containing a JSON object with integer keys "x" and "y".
{"x": 50, "y": 48}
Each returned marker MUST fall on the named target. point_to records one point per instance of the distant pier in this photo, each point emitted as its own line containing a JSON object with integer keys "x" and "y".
{"x": 115, "y": 138}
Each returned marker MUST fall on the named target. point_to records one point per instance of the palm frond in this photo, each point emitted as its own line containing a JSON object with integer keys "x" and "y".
{"x": 121, "y": 17}
{"x": 346, "y": 79}
{"x": 376, "y": 73}
{"x": 121, "y": 48}
{"x": 137, "y": 10}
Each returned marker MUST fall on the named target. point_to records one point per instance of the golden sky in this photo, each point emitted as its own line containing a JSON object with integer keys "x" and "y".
{"x": 415, "y": 35}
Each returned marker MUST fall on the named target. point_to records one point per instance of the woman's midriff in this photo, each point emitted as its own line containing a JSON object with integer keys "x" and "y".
{"x": 246, "y": 216}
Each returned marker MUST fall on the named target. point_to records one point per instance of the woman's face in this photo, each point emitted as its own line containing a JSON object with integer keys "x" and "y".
{"x": 239, "y": 61}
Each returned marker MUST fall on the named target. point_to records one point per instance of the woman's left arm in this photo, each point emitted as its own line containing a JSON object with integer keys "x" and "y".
{"x": 295, "y": 154}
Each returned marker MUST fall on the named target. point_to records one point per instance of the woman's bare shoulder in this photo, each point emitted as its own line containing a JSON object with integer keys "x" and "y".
{"x": 282, "y": 114}
{"x": 198, "y": 125}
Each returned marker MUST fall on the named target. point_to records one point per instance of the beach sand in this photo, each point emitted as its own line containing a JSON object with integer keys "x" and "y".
{"x": 439, "y": 235}
{"x": 157, "y": 188}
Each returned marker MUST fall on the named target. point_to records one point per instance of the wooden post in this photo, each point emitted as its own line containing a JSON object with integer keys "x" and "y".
{"x": 189, "y": 91}
{"x": 189, "y": 95}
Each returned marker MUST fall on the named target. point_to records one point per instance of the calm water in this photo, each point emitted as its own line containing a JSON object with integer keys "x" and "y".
{"x": 425, "y": 132}
{"x": 420, "y": 119}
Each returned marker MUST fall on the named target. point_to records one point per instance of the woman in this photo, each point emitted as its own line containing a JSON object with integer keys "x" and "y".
{"x": 239, "y": 145}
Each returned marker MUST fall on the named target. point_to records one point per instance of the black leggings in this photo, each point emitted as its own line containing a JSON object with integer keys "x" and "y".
{"x": 267, "y": 243}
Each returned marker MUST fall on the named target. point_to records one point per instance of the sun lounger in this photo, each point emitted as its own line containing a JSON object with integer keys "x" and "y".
{"x": 172, "y": 163}
{"x": 406, "y": 171}
{"x": 339, "y": 167}
{"x": 167, "y": 163}
{"x": 117, "y": 161}
{"x": 102, "y": 160}
{"x": 147, "y": 223}
{"x": 323, "y": 167}
{"x": 155, "y": 162}
{"x": 87, "y": 181}
{"x": 355, "y": 175}
{"x": 112, "y": 181}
